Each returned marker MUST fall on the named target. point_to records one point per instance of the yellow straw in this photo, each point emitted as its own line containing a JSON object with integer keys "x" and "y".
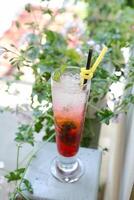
{"x": 99, "y": 59}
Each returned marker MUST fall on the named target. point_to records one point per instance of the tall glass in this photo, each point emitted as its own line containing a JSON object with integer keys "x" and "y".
{"x": 69, "y": 101}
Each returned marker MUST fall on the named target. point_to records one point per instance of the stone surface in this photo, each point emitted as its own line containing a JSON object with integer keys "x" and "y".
{"x": 46, "y": 187}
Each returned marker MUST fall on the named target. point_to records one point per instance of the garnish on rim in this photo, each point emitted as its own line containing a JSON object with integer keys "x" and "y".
{"x": 58, "y": 73}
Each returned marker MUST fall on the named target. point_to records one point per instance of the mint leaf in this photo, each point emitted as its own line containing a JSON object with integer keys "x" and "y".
{"x": 57, "y": 76}
{"x": 62, "y": 69}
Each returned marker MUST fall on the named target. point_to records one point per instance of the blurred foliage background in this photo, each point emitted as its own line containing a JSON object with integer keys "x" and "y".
{"x": 47, "y": 47}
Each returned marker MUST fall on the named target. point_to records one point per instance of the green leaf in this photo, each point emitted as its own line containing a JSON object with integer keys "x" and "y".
{"x": 73, "y": 55}
{"x": 25, "y": 134}
{"x": 58, "y": 73}
{"x": 27, "y": 186}
{"x": 55, "y": 38}
{"x": 128, "y": 100}
{"x": 56, "y": 76}
{"x": 42, "y": 89}
{"x": 38, "y": 125}
{"x": 51, "y": 35}
{"x": 46, "y": 75}
{"x": 62, "y": 69}
{"x": 102, "y": 73}
{"x": 105, "y": 115}
{"x": 15, "y": 175}
{"x": 129, "y": 85}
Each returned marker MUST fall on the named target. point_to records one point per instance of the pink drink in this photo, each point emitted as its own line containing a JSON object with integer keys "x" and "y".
{"x": 69, "y": 100}
{"x": 69, "y": 103}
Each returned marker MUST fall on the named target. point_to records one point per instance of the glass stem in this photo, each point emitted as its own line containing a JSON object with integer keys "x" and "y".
{"x": 67, "y": 164}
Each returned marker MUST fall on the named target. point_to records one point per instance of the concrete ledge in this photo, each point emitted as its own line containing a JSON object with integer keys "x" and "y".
{"x": 46, "y": 187}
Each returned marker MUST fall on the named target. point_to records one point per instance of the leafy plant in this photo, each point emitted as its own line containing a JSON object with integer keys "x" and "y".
{"x": 110, "y": 24}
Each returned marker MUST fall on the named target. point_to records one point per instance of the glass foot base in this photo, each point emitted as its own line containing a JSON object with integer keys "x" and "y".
{"x": 67, "y": 171}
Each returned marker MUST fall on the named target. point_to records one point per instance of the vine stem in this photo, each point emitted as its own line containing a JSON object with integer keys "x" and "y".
{"x": 17, "y": 159}
{"x": 22, "y": 194}
{"x": 17, "y": 54}
{"x": 9, "y": 50}
{"x": 97, "y": 109}
{"x": 29, "y": 154}
{"x": 32, "y": 156}
{"x": 18, "y": 153}
{"x": 18, "y": 187}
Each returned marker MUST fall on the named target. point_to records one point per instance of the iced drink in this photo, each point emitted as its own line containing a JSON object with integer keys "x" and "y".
{"x": 69, "y": 100}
